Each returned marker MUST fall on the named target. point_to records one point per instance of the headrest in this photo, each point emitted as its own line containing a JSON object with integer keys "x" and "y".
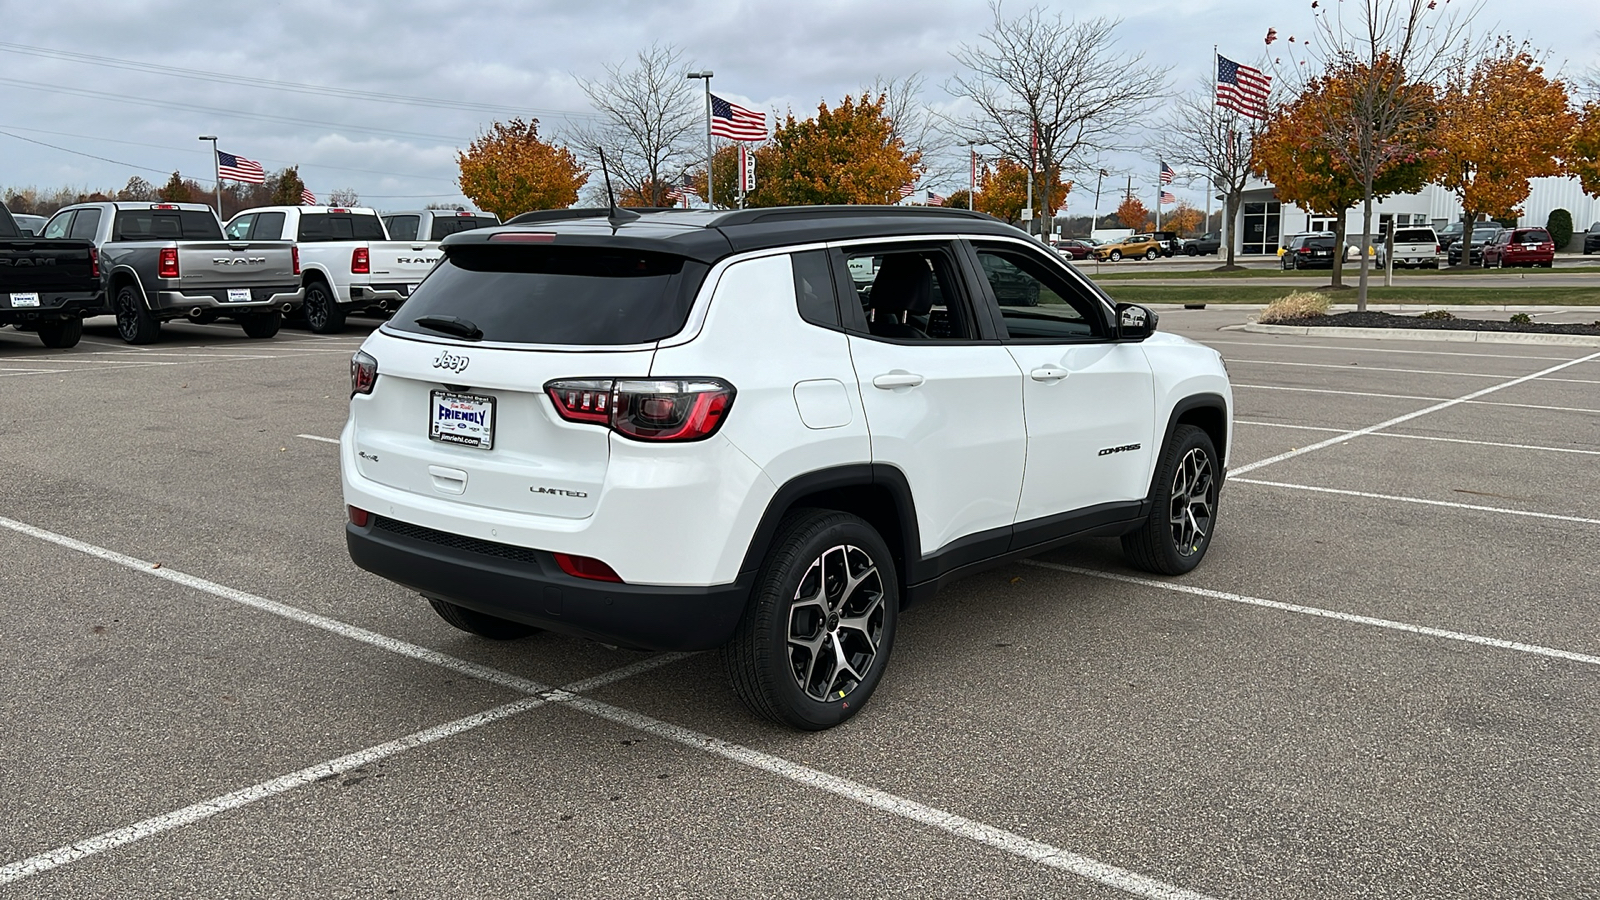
{"x": 904, "y": 285}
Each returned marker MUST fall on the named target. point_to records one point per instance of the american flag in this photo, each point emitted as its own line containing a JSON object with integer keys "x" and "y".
{"x": 1242, "y": 89}
{"x": 1166, "y": 174}
{"x": 907, "y": 190}
{"x": 306, "y": 197}
{"x": 935, "y": 199}
{"x": 1166, "y": 197}
{"x": 240, "y": 169}
{"x": 736, "y": 122}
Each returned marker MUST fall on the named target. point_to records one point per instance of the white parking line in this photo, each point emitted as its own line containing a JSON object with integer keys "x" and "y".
{"x": 1306, "y": 390}
{"x": 960, "y": 826}
{"x": 1467, "y": 398}
{"x": 1422, "y": 500}
{"x": 1350, "y": 367}
{"x": 313, "y": 437}
{"x": 1260, "y": 344}
{"x": 1409, "y": 437}
{"x": 1320, "y": 612}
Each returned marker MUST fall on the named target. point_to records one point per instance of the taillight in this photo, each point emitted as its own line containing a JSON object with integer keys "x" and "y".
{"x": 168, "y": 266}
{"x": 688, "y": 409}
{"x": 360, "y": 262}
{"x": 94, "y": 262}
{"x": 586, "y": 567}
{"x": 359, "y": 517}
{"x": 363, "y": 373}
{"x": 294, "y": 256}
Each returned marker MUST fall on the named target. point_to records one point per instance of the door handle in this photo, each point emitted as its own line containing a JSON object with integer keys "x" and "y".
{"x": 1048, "y": 373}
{"x": 897, "y": 379}
{"x": 419, "y": 246}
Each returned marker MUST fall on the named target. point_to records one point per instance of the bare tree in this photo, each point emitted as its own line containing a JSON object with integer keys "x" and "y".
{"x": 1063, "y": 84}
{"x": 344, "y": 197}
{"x": 1219, "y": 143}
{"x": 916, "y": 125}
{"x": 650, "y": 118}
{"x": 1391, "y": 57}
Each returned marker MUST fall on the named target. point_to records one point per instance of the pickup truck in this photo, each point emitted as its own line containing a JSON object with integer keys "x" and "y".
{"x": 166, "y": 261}
{"x": 1204, "y": 245}
{"x": 348, "y": 262}
{"x": 47, "y": 286}
{"x": 434, "y": 225}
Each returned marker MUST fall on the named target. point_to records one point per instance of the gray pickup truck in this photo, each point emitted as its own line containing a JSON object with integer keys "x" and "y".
{"x": 47, "y": 286}
{"x": 166, "y": 261}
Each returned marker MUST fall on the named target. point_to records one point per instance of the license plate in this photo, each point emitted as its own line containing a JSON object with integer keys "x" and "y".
{"x": 1321, "y": 252}
{"x": 19, "y": 301}
{"x": 410, "y": 289}
{"x": 238, "y": 295}
{"x": 465, "y": 419}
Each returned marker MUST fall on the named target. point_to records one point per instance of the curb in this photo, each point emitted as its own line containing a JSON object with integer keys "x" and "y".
{"x": 1419, "y": 334}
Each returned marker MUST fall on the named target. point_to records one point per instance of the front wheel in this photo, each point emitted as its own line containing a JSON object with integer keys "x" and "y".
{"x": 323, "y": 312}
{"x": 61, "y": 334}
{"x": 134, "y": 323}
{"x": 815, "y": 639}
{"x": 1116, "y": 256}
{"x": 1192, "y": 251}
{"x": 261, "y": 325}
{"x": 1175, "y": 537}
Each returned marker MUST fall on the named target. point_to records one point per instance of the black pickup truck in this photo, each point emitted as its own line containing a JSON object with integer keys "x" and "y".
{"x": 47, "y": 285}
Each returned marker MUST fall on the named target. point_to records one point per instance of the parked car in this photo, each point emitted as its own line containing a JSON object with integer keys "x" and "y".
{"x": 47, "y": 286}
{"x": 166, "y": 261}
{"x": 33, "y": 225}
{"x": 1169, "y": 241}
{"x": 1591, "y": 239}
{"x": 1448, "y": 235}
{"x": 1138, "y": 246}
{"x": 434, "y": 224}
{"x": 1204, "y": 245}
{"x": 1313, "y": 250}
{"x": 1073, "y": 248}
{"x": 689, "y": 430}
{"x": 348, "y": 260}
{"x": 1482, "y": 233}
{"x": 1520, "y": 247}
{"x": 1413, "y": 246}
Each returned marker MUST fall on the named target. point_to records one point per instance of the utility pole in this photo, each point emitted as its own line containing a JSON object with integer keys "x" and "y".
{"x": 707, "y": 76}
{"x": 216, "y": 170}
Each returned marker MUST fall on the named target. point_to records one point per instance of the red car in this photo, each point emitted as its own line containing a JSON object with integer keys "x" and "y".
{"x": 1520, "y": 247}
{"x": 1074, "y": 249}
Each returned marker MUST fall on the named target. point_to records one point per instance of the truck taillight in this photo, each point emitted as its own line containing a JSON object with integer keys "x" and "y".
{"x": 168, "y": 266}
{"x": 360, "y": 262}
{"x": 94, "y": 262}
{"x": 363, "y": 373}
{"x": 655, "y": 409}
{"x": 294, "y": 258}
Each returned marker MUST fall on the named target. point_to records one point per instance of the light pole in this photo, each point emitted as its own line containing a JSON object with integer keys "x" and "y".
{"x": 972, "y": 185}
{"x": 216, "y": 169}
{"x": 706, "y": 75}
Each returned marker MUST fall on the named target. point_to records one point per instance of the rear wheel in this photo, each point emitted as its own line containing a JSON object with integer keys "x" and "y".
{"x": 323, "y": 314}
{"x": 62, "y": 333}
{"x": 135, "y": 323}
{"x": 481, "y": 624}
{"x": 815, "y": 639}
{"x": 1175, "y": 537}
{"x": 1151, "y": 254}
{"x": 261, "y": 325}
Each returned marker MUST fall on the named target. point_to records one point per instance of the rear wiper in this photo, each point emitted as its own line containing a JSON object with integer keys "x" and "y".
{"x": 461, "y": 328}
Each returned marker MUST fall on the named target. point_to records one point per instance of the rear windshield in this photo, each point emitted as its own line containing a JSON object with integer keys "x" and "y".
{"x": 1414, "y": 236}
{"x": 8, "y": 229}
{"x": 550, "y": 295}
{"x": 1319, "y": 243}
{"x": 167, "y": 225}
{"x": 340, "y": 227}
{"x": 1533, "y": 236}
{"x": 444, "y": 226}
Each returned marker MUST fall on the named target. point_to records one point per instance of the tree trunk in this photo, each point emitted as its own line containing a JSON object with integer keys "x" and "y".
{"x": 1341, "y": 229}
{"x": 1366, "y": 240}
{"x": 1232, "y": 212}
{"x": 1466, "y": 238}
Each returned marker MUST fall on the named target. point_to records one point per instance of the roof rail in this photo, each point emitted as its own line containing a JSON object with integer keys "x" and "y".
{"x": 561, "y": 215}
{"x": 853, "y": 211}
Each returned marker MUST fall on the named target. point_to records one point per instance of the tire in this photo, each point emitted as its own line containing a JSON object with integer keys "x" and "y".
{"x": 1191, "y": 251}
{"x": 1116, "y": 256}
{"x": 778, "y": 673}
{"x": 135, "y": 324}
{"x": 61, "y": 334}
{"x": 323, "y": 314}
{"x": 261, "y": 325}
{"x": 1169, "y": 544}
{"x": 481, "y": 624}
{"x": 1151, "y": 255}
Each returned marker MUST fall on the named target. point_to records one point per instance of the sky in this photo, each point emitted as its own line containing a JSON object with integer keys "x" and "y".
{"x": 96, "y": 78}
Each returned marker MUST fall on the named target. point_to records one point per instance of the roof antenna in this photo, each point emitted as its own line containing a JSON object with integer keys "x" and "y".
{"x": 618, "y": 216}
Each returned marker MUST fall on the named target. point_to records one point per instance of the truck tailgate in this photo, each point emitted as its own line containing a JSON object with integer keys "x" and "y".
{"x": 47, "y": 266}
{"x": 219, "y": 264}
{"x": 402, "y": 262}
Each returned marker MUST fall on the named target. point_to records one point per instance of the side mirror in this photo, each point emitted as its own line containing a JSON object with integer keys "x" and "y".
{"x": 1135, "y": 322}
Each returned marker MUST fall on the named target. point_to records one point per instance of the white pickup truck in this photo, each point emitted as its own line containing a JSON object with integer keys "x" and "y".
{"x": 434, "y": 225}
{"x": 346, "y": 258}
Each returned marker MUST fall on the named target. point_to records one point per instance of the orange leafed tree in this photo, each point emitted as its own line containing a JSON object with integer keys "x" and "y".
{"x": 1582, "y": 150}
{"x": 1003, "y": 190}
{"x": 509, "y": 170}
{"x": 845, "y": 154}
{"x": 1500, "y": 125}
{"x": 1185, "y": 219}
{"x": 1132, "y": 213}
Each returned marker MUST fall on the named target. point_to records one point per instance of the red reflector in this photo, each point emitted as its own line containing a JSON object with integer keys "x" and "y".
{"x": 359, "y": 517}
{"x": 294, "y": 255}
{"x": 360, "y": 262}
{"x": 586, "y": 567}
{"x": 167, "y": 266}
{"x": 524, "y": 237}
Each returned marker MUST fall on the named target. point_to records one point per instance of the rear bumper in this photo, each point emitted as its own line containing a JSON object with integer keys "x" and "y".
{"x": 53, "y": 305}
{"x": 281, "y": 297}
{"x": 379, "y": 294}
{"x": 526, "y": 585}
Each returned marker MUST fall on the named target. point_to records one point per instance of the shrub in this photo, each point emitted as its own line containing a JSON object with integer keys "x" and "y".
{"x": 1560, "y": 227}
{"x": 1437, "y": 314}
{"x": 1522, "y": 319}
{"x": 1298, "y": 305}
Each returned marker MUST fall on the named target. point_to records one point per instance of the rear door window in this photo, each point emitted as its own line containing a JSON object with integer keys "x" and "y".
{"x": 85, "y": 224}
{"x": 167, "y": 225}
{"x": 316, "y": 227}
{"x": 239, "y": 228}
{"x": 269, "y": 227}
{"x": 402, "y": 228}
{"x": 586, "y": 296}
{"x": 444, "y": 226}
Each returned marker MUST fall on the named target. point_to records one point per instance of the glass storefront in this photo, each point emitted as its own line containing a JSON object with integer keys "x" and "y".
{"x": 1261, "y": 230}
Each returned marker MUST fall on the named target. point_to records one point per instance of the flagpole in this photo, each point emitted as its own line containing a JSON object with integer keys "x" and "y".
{"x": 1159, "y": 191}
{"x": 216, "y": 170}
{"x": 707, "y": 76}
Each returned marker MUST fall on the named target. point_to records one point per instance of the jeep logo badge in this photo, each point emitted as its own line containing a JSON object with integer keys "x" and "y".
{"x": 448, "y": 360}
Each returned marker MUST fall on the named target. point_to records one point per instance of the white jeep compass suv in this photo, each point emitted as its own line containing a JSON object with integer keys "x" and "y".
{"x": 767, "y": 430}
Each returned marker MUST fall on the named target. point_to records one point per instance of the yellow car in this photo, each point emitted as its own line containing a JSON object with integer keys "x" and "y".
{"x": 1134, "y": 245}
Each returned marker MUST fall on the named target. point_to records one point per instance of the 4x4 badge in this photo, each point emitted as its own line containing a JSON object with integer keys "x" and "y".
{"x": 448, "y": 360}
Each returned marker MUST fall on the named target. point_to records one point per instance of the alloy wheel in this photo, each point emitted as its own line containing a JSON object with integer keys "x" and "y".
{"x": 316, "y": 310}
{"x": 836, "y": 623}
{"x": 1193, "y": 502}
{"x": 127, "y": 315}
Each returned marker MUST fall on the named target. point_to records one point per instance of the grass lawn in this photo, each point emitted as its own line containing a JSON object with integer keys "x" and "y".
{"x": 1128, "y": 292}
{"x": 1123, "y": 271}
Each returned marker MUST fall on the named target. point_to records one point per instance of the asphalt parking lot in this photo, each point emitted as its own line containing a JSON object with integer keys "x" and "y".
{"x": 1384, "y": 681}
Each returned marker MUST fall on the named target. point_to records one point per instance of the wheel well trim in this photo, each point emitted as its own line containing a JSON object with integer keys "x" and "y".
{"x": 122, "y": 274}
{"x": 1185, "y": 405}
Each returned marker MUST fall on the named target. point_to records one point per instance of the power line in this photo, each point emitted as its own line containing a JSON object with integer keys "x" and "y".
{"x": 289, "y": 86}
